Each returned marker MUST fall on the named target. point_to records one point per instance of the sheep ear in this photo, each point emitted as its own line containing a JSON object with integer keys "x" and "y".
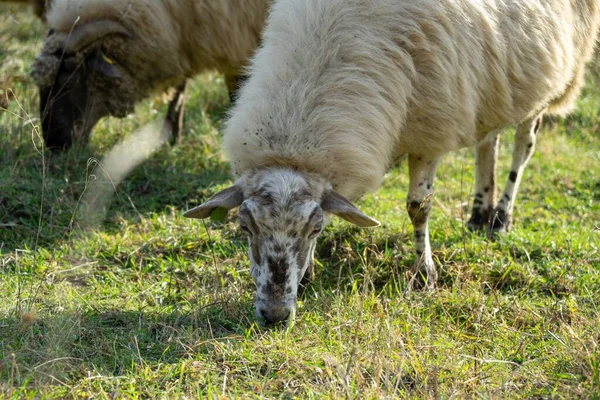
{"x": 101, "y": 64}
{"x": 223, "y": 201}
{"x": 337, "y": 204}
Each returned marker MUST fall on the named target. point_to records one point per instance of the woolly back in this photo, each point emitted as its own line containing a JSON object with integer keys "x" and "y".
{"x": 319, "y": 98}
{"x": 177, "y": 38}
{"x": 143, "y": 16}
{"x": 342, "y": 87}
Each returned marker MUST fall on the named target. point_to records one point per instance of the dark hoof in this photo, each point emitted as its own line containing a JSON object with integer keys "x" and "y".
{"x": 500, "y": 223}
{"x": 479, "y": 220}
{"x": 476, "y": 225}
{"x": 424, "y": 276}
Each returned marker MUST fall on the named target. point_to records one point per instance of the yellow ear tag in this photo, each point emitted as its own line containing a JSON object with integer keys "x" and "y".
{"x": 108, "y": 60}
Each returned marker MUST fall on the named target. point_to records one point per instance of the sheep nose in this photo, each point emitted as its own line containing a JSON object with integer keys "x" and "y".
{"x": 275, "y": 314}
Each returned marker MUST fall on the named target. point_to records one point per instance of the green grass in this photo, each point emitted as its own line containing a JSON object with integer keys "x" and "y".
{"x": 150, "y": 304}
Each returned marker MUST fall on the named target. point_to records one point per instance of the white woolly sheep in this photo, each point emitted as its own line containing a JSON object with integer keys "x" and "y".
{"x": 341, "y": 88}
{"x": 103, "y": 56}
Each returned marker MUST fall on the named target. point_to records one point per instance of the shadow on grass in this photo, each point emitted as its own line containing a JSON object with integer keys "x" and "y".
{"x": 71, "y": 346}
{"x": 344, "y": 253}
{"x": 113, "y": 342}
{"x": 40, "y": 196}
{"x": 40, "y": 192}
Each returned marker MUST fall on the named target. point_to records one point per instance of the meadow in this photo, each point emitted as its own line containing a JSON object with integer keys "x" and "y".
{"x": 149, "y": 304}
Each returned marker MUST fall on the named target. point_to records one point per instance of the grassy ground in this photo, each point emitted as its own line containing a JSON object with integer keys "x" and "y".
{"x": 153, "y": 305}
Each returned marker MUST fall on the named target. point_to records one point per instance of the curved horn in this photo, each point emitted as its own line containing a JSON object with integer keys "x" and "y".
{"x": 85, "y": 34}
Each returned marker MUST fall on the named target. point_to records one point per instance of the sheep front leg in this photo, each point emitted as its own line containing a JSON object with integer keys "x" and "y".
{"x": 485, "y": 184}
{"x": 522, "y": 152}
{"x": 418, "y": 204}
{"x": 174, "y": 117}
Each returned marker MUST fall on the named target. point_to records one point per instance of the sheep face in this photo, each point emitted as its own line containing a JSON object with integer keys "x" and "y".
{"x": 282, "y": 223}
{"x": 282, "y": 213}
{"x": 66, "y": 107}
{"x": 78, "y": 84}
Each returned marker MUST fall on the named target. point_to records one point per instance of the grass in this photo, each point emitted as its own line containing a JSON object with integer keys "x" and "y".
{"x": 150, "y": 304}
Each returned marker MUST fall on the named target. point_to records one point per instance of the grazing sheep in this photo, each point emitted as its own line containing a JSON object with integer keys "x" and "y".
{"x": 342, "y": 88}
{"x": 38, "y": 6}
{"x": 101, "y": 57}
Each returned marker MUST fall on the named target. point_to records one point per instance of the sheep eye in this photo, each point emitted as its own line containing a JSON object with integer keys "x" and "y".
{"x": 244, "y": 227}
{"x": 316, "y": 230}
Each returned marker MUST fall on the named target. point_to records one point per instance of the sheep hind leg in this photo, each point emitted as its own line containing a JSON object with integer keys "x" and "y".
{"x": 418, "y": 205}
{"x": 522, "y": 152}
{"x": 174, "y": 117}
{"x": 485, "y": 184}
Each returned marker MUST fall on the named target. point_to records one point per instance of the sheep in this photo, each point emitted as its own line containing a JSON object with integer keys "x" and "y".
{"x": 101, "y": 57}
{"x": 38, "y": 6}
{"x": 339, "y": 89}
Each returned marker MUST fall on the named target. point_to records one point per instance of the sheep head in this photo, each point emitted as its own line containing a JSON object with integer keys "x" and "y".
{"x": 282, "y": 212}
{"x": 78, "y": 83}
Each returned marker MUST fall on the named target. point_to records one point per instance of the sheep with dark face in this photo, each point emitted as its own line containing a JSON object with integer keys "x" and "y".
{"x": 342, "y": 88}
{"x": 101, "y": 57}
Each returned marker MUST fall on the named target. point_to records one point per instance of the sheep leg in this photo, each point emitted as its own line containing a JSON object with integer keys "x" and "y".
{"x": 485, "y": 184}
{"x": 174, "y": 118}
{"x": 418, "y": 204}
{"x": 524, "y": 147}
